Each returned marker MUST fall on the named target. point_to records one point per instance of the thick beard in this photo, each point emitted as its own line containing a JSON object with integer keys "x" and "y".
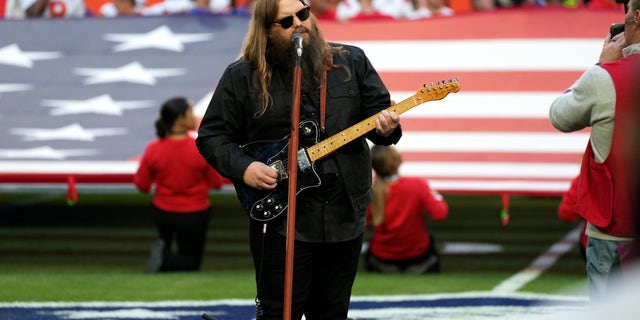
{"x": 281, "y": 55}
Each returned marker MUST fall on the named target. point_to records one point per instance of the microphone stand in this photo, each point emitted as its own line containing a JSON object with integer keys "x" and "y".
{"x": 293, "y": 185}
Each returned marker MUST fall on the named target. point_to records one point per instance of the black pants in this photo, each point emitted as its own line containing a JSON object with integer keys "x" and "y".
{"x": 323, "y": 274}
{"x": 189, "y": 230}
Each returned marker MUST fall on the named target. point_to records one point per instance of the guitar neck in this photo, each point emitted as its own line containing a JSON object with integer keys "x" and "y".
{"x": 333, "y": 143}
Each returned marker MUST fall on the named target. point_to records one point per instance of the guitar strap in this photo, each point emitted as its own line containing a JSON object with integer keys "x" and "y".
{"x": 323, "y": 96}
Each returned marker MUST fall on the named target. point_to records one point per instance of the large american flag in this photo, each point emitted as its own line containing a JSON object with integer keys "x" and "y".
{"x": 79, "y": 97}
{"x": 494, "y": 136}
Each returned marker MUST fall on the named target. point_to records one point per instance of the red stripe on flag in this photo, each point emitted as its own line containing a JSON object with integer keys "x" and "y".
{"x": 555, "y": 81}
{"x": 478, "y": 124}
{"x": 531, "y": 23}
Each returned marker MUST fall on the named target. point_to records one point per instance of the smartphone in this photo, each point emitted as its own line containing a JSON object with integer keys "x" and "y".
{"x": 615, "y": 29}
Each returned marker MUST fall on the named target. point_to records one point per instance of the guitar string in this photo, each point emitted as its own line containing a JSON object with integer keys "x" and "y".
{"x": 401, "y": 105}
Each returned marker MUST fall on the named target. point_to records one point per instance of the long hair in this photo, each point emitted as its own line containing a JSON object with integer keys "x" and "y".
{"x": 635, "y": 7}
{"x": 256, "y": 44}
{"x": 170, "y": 111}
{"x": 385, "y": 161}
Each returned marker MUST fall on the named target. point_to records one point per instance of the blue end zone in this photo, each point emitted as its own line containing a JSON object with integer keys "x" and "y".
{"x": 452, "y": 306}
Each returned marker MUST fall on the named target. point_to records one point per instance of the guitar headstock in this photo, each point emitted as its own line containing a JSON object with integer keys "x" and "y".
{"x": 438, "y": 90}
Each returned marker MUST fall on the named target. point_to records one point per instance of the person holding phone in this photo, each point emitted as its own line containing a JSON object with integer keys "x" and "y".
{"x": 604, "y": 98}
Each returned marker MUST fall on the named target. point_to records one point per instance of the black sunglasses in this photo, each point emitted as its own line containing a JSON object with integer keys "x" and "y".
{"x": 287, "y": 22}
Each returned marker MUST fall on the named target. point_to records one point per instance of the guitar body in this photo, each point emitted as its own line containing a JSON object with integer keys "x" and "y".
{"x": 266, "y": 205}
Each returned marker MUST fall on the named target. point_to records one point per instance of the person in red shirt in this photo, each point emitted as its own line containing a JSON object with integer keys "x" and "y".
{"x": 182, "y": 180}
{"x": 400, "y": 241}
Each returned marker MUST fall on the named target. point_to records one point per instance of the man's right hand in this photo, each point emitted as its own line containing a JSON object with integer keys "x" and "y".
{"x": 260, "y": 176}
{"x": 612, "y": 48}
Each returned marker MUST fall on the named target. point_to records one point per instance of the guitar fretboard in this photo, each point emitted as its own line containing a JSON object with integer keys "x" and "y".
{"x": 333, "y": 143}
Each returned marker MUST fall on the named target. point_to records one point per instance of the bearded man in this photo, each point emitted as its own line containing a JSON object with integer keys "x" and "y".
{"x": 253, "y": 102}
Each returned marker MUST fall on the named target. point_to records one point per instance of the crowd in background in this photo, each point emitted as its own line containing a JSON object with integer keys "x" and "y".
{"x": 342, "y": 10}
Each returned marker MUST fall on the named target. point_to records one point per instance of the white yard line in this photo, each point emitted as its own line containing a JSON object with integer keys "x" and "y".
{"x": 540, "y": 264}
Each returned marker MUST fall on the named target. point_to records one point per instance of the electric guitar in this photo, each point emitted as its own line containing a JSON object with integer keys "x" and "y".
{"x": 266, "y": 205}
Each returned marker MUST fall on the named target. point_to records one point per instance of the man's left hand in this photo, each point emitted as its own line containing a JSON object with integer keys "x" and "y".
{"x": 386, "y": 122}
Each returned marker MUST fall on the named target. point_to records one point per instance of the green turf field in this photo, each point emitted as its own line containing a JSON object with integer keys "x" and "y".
{"x": 96, "y": 250}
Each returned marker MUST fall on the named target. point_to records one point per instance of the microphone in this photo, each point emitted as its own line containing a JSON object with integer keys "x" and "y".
{"x": 297, "y": 38}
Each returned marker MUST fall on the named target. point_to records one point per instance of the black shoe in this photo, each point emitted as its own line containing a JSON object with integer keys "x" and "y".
{"x": 156, "y": 255}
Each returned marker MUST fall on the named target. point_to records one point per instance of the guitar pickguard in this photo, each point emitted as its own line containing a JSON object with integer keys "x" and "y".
{"x": 266, "y": 205}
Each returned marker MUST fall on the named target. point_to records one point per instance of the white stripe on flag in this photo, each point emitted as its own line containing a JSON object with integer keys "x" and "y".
{"x": 491, "y": 170}
{"x": 483, "y": 105}
{"x": 483, "y": 55}
{"x": 526, "y": 187}
{"x": 521, "y": 142}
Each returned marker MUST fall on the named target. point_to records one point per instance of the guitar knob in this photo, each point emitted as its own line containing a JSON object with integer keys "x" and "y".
{"x": 270, "y": 202}
{"x": 278, "y": 207}
{"x": 266, "y": 214}
{"x": 258, "y": 206}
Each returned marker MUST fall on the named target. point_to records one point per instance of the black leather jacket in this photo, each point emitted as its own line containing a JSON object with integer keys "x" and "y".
{"x": 229, "y": 123}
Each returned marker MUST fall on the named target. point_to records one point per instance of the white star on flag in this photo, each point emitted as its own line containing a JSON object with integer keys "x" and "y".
{"x": 45, "y": 152}
{"x": 12, "y": 87}
{"x": 103, "y": 104}
{"x": 159, "y": 38}
{"x": 133, "y": 72}
{"x": 71, "y": 132}
{"x": 12, "y": 55}
{"x": 105, "y": 87}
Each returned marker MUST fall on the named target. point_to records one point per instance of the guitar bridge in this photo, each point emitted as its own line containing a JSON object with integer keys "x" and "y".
{"x": 282, "y": 171}
{"x": 303, "y": 160}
